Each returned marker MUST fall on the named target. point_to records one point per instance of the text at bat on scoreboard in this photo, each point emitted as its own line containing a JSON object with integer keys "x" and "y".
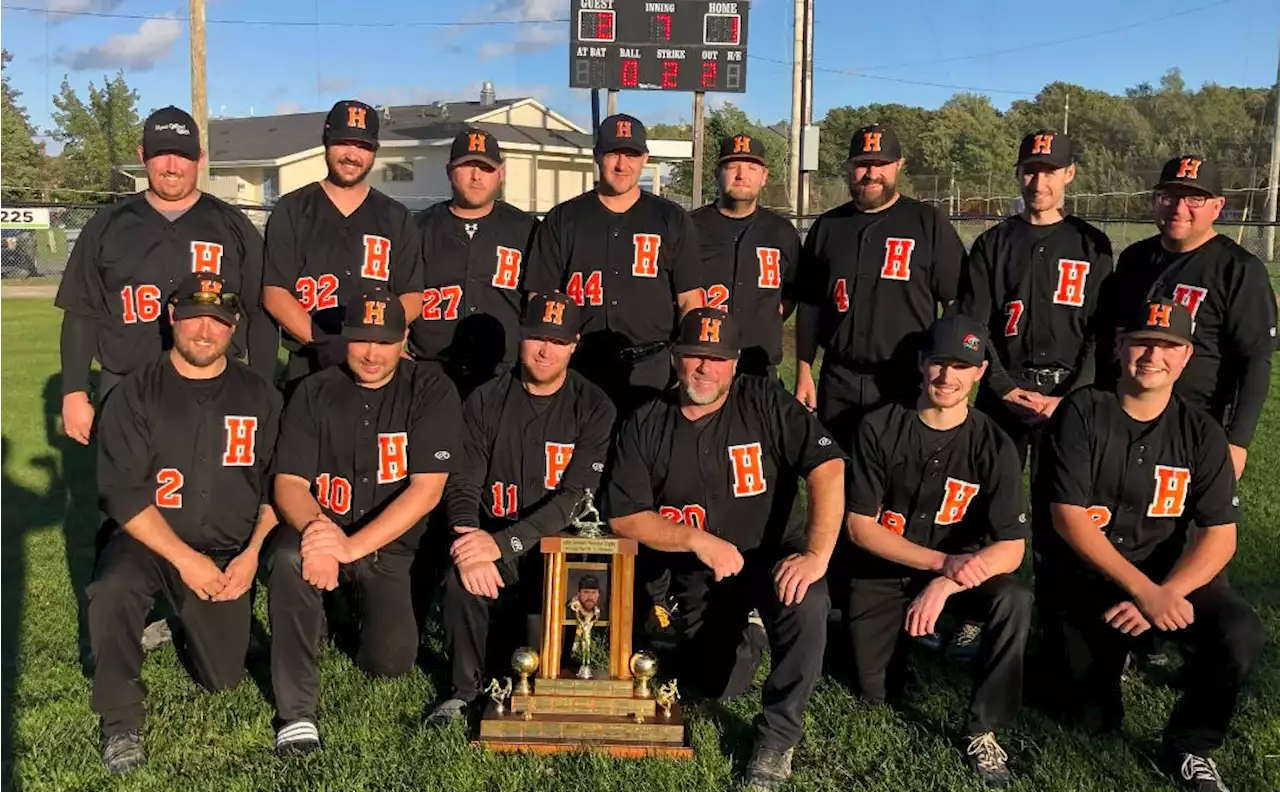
{"x": 677, "y": 45}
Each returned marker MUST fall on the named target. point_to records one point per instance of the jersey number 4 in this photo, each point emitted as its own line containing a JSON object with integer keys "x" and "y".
{"x": 141, "y": 303}
{"x": 840, "y": 295}
{"x": 441, "y": 303}
{"x": 586, "y": 288}
{"x": 317, "y": 294}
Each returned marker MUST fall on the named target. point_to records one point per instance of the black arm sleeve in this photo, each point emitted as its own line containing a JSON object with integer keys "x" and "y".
{"x": 281, "y": 264}
{"x": 948, "y": 260}
{"x": 1251, "y": 332}
{"x": 462, "y": 496}
{"x": 262, "y": 336}
{"x": 1006, "y": 497}
{"x": 125, "y": 485}
{"x": 78, "y": 346}
{"x": 298, "y": 447}
{"x": 865, "y": 478}
{"x": 82, "y": 297}
{"x": 547, "y": 264}
{"x": 975, "y": 302}
{"x": 1213, "y": 480}
{"x": 804, "y": 442}
{"x": 435, "y": 427}
{"x": 1070, "y": 455}
{"x": 1087, "y": 363}
{"x": 630, "y": 485}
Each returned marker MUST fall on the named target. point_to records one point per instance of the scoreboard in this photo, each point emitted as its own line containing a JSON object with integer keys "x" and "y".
{"x": 671, "y": 45}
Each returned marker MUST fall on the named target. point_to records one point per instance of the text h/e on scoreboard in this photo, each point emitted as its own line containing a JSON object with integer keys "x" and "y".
{"x": 678, "y": 45}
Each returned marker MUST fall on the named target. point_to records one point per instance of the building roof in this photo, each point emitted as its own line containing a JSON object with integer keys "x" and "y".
{"x": 273, "y": 137}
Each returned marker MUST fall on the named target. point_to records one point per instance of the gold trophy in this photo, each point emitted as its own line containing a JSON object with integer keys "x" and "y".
{"x": 586, "y": 617}
{"x": 668, "y": 694}
{"x": 643, "y": 667}
{"x": 499, "y": 693}
{"x": 524, "y": 661}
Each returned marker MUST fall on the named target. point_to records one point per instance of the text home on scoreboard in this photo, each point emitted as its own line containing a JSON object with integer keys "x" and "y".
{"x": 680, "y": 45}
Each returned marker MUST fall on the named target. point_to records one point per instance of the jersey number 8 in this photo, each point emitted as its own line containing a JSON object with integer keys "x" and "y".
{"x": 318, "y": 293}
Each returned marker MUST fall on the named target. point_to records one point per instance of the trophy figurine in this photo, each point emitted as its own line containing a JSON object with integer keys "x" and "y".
{"x": 586, "y": 518}
{"x": 586, "y": 612}
{"x": 643, "y": 667}
{"x": 524, "y": 661}
{"x": 499, "y": 693}
{"x": 668, "y": 694}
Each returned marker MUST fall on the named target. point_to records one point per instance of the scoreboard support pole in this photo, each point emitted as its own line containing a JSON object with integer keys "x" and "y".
{"x": 612, "y": 103}
{"x": 699, "y": 128}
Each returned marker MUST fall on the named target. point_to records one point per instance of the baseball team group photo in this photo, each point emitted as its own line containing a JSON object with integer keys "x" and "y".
{"x": 628, "y": 489}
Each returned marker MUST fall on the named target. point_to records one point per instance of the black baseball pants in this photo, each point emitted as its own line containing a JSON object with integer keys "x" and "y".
{"x": 477, "y": 650}
{"x": 846, "y": 395}
{"x": 380, "y": 587}
{"x": 127, "y": 580}
{"x": 713, "y": 621}
{"x": 1085, "y": 657}
{"x": 878, "y": 614}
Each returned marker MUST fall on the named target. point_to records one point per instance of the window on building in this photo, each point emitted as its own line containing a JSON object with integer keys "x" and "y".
{"x": 397, "y": 172}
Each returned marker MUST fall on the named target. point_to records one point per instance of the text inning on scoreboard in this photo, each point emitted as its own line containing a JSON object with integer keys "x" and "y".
{"x": 678, "y": 45}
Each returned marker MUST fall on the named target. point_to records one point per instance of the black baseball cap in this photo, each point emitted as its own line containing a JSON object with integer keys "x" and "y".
{"x": 1044, "y": 146}
{"x": 350, "y": 120}
{"x": 1162, "y": 319}
{"x": 708, "y": 332}
{"x": 955, "y": 338}
{"x": 553, "y": 316}
{"x": 622, "y": 132}
{"x": 588, "y": 582}
{"x": 741, "y": 147}
{"x": 170, "y": 130}
{"x": 205, "y": 294}
{"x": 1191, "y": 171}
{"x": 375, "y": 315}
{"x": 874, "y": 143}
{"x": 475, "y": 145}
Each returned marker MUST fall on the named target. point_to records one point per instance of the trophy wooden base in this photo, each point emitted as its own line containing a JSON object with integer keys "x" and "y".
{"x": 620, "y": 735}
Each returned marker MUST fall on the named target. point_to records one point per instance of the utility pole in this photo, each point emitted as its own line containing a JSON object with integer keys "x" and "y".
{"x": 699, "y": 130}
{"x": 1066, "y": 116}
{"x": 1273, "y": 179}
{"x": 612, "y": 103}
{"x": 797, "y": 110}
{"x": 199, "y": 89}
{"x": 806, "y": 112}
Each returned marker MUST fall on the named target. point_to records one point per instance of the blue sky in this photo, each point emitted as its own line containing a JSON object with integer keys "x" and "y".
{"x": 264, "y": 69}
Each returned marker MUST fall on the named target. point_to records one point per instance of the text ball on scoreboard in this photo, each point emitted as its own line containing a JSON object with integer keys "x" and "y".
{"x": 679, "y": 45}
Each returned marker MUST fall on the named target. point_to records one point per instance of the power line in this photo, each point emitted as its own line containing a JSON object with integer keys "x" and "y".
{"x": 854, "y": 73}
{"x": 283, "y": 22}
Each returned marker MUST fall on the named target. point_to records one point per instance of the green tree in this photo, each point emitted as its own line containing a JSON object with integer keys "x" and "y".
{"x": 98, "y": 136}
{"x": 727, "y": 121}
{"x": 23, "y": 160}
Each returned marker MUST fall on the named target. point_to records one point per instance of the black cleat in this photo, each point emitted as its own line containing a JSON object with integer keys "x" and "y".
{"x": 122, "y": 753}
{"x": 1198, "y": 773}
{"x": 768, "y": 769}
{"x": 988, "y": 759}
{"x": 297, "y": 738}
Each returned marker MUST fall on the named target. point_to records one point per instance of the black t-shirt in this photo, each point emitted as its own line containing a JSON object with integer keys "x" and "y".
{"x": 956, "y": 491}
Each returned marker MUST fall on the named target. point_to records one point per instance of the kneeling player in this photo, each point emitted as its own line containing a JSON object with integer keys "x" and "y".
{"x": 708, "y": 474}
{"x": 364, "y": 452}
{"x": 183, "y": 456}
{"x": 1128, "y": 474}
{"x": 534, "y": 439}
{"x": 935, "y": 504}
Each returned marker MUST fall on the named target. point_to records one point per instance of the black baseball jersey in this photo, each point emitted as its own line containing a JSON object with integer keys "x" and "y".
{"x": 326, "y": 259}
{"x": 956, "y": 491}
{"x": 474, "y": 279}
{"x": 733, "y": 473}
{"x": 750, "y": 263}
{"x": 359, "y": 446}
{"x": 526, "y": 460}
{"x": 1144, "y": 483}
{"x": 1036, "y": 288}
{"x": 870, "y": 284}
{"x": 625, "y": 270}
{"x": 1233, "y": 312}
{"x": 198, "y": 450}
{"x": 129, "y": 258}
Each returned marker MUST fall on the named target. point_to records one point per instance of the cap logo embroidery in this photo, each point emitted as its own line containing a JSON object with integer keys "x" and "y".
{"x": 475, "y": 141}
{"x": 742, "y": 145}
{"x": 355, "y": 117}
{"x": 710, "y": 333}
{"x": 971, "y": 342}
{"x": 1159, "y": 315}
{"x": 1189, "y": 168}
{"x": 211, "y": 286}
{"x": 1043, "y": 144}
{"x": 624, "y": 129}
{"x": 871, "y": 141}
{"x": 553, "y": 313}
{"x": 173, "y": 126}
{"x": 375, "y": 312}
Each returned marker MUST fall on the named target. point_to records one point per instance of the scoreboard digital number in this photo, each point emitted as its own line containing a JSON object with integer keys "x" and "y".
{"x": 678, "y": 45}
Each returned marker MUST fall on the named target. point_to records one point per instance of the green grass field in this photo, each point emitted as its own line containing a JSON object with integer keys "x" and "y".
{"x": 374, "y": 739}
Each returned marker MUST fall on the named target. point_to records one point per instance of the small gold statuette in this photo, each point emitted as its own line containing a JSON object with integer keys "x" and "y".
{"x": 524, "y": 661}
{"x": 668, "y": 694}
{"x": 499, "y": 694}
{"x": 586, "y": 518}
{"x": 643, "y": 667}
{"x": 582, "y": 640}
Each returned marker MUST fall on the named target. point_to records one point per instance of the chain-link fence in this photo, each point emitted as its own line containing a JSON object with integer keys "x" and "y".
{"x": 35, "y": 253}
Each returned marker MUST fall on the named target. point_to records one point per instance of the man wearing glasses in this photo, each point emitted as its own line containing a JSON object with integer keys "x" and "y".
{"x": 1223, "y": 286}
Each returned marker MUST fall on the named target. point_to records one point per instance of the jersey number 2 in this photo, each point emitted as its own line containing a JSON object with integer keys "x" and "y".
{"x": 716, "y": 296}
{"x": 169, "y": 483}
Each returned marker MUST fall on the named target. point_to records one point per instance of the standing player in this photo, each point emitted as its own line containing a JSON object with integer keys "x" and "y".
{"x": 1034, "y": 281}
{"x": 1126, "y": 476}
{"x": 749, "y": 254}
{"x": 1226, "y": 289}
{"x": 534, "y": 440}
{"x": 707, "y": 475}
{"x": 873, "y": 274}
{"x": 329, "y": 241}
{"x": 184, "y": 450}
{"x": 132, "y": 255}
{"x": 936, "y": 510}
{"x": 476, "y": 246}
{"x": 364, "y": 452}
{"x": 629, "y": 259}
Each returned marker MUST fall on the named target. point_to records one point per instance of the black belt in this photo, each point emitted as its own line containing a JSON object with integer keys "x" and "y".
{"x": 1044, "y": 377}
